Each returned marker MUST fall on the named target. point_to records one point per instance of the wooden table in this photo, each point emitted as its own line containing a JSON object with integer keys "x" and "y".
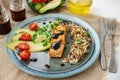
{"x": 8, "y": 71}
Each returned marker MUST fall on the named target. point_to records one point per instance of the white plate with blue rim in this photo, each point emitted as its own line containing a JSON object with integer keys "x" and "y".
{"x": 43, "y": 65}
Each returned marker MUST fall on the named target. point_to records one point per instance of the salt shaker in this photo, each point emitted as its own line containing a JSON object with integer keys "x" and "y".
{"x": 5, "y": 26}
{"x": 17, "y": 10}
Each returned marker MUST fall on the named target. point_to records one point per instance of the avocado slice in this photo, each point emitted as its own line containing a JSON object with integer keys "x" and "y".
{"x": 24, "y": 30}
{"x": 34, "y": 47}
{"x": 39, "y": 38}
{"x": 16, "y": 37}
{"x": 19, "y": 32}
{"x": 38, "y": 6}
{"x": 51, "y": 5}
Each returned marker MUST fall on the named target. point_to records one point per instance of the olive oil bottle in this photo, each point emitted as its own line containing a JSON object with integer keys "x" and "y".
{"x": 79, "y": 6}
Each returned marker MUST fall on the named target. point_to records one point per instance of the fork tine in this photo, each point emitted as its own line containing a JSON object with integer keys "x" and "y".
{"x": 107, "y": 27}
{"x": 111, "y": 25}
{"x": 114, "y": 25}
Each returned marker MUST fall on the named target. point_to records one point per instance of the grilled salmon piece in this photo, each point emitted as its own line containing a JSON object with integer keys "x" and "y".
{"x": 57, "y": 41}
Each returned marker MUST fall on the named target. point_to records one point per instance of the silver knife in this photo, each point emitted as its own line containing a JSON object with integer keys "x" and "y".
{"x": 102, "y": 37}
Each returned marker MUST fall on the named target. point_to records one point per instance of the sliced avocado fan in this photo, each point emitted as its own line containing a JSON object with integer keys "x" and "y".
{"x": 51, "y": 5}
{"x": 34, "y": 47}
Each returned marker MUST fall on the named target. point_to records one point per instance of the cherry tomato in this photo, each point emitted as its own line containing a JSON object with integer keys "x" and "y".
{"x": 36, "y": 1}
{"x": 43, "y": 0}
{"x": 25, "y": 37}
{"x": 23, "y": 46}
{"x": 24, "y": 55}
{"x": 33, "y": 26}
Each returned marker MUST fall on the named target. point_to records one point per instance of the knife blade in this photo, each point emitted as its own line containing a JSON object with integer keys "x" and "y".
{"x": 102, "y": 37}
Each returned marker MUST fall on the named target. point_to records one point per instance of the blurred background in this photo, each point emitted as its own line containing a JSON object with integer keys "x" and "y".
{"x": 105, "y": 8}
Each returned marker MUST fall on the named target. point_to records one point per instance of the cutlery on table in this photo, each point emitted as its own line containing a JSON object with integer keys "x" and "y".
{"x": 111, "y": 31}
{"x": 102, "y": 37}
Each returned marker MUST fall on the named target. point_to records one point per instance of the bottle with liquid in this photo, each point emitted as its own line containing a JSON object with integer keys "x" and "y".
{"x": 5, "y": 26}
{"x": 17, "y": 10}
{"x": 79, "y": 6}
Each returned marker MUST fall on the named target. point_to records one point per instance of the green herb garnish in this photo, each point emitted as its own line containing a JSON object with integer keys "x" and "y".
{"x": 52, "y": 26}
{"x": 34, "y": 36}
{"x": 79, "y": 41}
{"x": 59, "y": 20}
{"x": 47, "y": 35}
{"x": 87, "y": 34}
{"x": 45, "y": 43}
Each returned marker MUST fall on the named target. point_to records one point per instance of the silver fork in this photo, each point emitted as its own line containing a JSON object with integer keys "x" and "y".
{"x": 111, "y": 31}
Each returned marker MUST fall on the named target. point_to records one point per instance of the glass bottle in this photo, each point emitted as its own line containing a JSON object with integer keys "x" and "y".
{"x": 5, "y": 26}
{"x": 79, "y": 6}
{"x": 17, "y": 10}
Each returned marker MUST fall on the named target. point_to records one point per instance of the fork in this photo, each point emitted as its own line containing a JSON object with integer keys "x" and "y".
{"x": 111, "y": 31}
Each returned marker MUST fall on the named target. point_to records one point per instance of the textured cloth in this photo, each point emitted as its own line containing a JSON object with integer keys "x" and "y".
{"x": 115, "y": 76}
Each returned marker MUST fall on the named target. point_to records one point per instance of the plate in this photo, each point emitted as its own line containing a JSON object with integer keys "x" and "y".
{"x": 56, "y": 69}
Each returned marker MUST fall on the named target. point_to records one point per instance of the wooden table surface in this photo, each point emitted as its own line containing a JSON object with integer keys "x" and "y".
{"x": 8, "y": 71}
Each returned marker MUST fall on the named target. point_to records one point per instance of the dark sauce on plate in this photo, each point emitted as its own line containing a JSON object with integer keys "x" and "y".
{"x": 33, "y": 59}
{"x": 28, "y": 61}
{"x": 62, "y": 65}
{"x": 44, "y": 23}
{"x": 47, "y": 65}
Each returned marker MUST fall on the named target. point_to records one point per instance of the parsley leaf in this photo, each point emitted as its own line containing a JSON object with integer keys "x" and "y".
{"x": 34, "y": 36}
{"x": 79, "y": 41}
{"x": 45, "y": 43}
{"x": 87, "y": 34}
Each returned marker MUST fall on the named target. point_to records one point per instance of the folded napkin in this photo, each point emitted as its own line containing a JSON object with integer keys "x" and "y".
{"x": 115, "y": 76}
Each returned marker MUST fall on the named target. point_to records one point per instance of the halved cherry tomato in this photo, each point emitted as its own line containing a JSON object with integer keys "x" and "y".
{"x": 25, "y": 37}
{"x": 24, "y": 55}
{"x": 36, "y": 1}
{"x": 33, "y": 26}
{"x": 23, "y": 46}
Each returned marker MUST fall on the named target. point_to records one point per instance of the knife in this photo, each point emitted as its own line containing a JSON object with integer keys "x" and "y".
{"x": 102, "y": 37}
